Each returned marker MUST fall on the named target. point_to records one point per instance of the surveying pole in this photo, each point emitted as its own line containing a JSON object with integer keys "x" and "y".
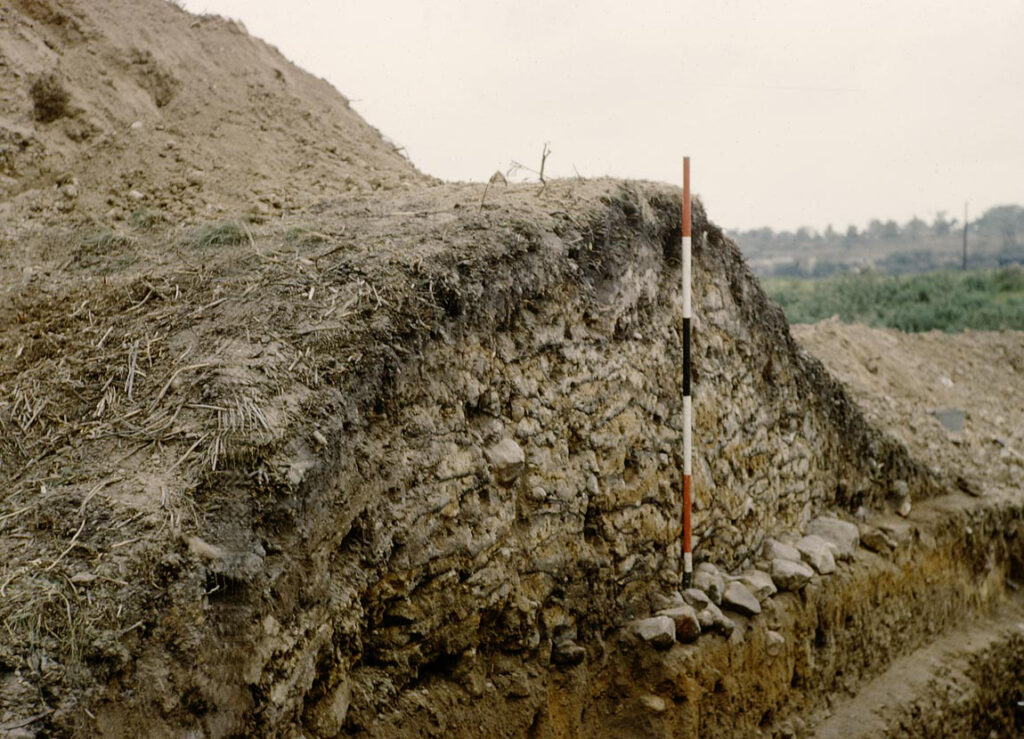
{"x": 687, "y": 403}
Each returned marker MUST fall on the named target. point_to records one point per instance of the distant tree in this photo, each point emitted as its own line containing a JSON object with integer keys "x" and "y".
{"x": 915, "y": 228}
{"x": 940, "y": 226}
{"x": 891, "y": 230}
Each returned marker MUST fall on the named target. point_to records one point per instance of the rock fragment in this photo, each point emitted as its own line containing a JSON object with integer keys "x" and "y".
{"x": 842, "y": 534}
{"x": 658, "y": 631}
{"x": 790, "y": 575}
{"x": 653, "y": 703}
{"x": 774, "y": 549}
{"x": 696, "y": 598}
{"x": 738, "y": 598}
{"x": 567, "y": 653}
{"x": 759, "y": 584}
{"x": 662, "y": 601}
{"x": 507, "y": 460}
{"x": 710, "y": 580}
{"x": 815, "y": 551}
{"x": 685, "y": 618}
{"x": 774, "y": 642}
{"x": 711, "y": 618}
{"x": 876, "y": 540}
{"x": 952, "y": 419}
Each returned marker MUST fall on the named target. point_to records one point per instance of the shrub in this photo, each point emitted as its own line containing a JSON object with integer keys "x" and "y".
{"x": 219, "y": 234}
{"x": 947, "y": 301}
{"x": 49, "y": 98}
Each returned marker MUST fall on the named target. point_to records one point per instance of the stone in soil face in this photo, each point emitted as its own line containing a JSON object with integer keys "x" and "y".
{"x": 711, "y": 583}
{"x": 685, "y": 618}
{"x": 774, "y": 642}
{"x": 790, "y": 575}
{"x": 759, "y": 584}
{"x": 842, "y": 534}
{"x": 567, "y": 653}
{"x": 817, "y": 554}
{"x": 653, "y": 703}
{"x": 876, "y": 540}
{"x": 777, "y": 550}
{"x": 738, "y": 598}
{"x": 696, "y": 598}
{"x": 663, "y": 602}
{"x": 711, "y": 618}
{"x": 507, "y": 460}
{"x": 658, "y": 631}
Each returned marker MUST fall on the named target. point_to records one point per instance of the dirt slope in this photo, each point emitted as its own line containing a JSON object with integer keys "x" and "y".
{"x": 108, "y": 108}
{"x": 901, "y": 379}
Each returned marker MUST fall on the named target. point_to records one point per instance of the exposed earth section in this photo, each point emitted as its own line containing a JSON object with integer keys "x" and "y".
{"x": 297, "y": 441}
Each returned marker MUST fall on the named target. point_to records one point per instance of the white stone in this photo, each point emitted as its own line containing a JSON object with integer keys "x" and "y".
{"x": 774, "y": 642}
{"x": 843, "y": 534}
{"x": 774, "y": 549}
{"x": 507, "y": 460}
{"x": 711, "y": 618}
{"x": 658, "y": 631}
{"x": 738, "y": 598}
{"x": 790, "y": 575}
{"x": 653, "y": 703}
{"x": 685, "y": 618}
{"x": 696, "y": 598}
{"x": 759, "y": 584}
{"x": 711, "y": 583}
{"x": 815, "y": 551}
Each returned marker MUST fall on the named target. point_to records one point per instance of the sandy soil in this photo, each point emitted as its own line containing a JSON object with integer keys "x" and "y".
{"x": 171, "y": 115}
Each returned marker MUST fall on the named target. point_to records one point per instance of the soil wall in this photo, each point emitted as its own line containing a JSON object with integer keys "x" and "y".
{"x": 517, "y": 474}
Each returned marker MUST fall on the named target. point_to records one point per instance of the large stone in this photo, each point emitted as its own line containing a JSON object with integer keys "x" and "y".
{"x": 816, "y": 552}
{"x": 687, "y": 625}
{"x": 738, "y": 598}
{"x": 507, "y": 460}
{"x": 697, "y": 598}
{"x": 876, "y": 540}
{"x": 790, "y": 575}
{"x": 774, "y": 549}
{"x": 567, "y": 653}
{"x": 711, "y": 582}
{"x": 759, "y": 584}
{"x": 663, "y": 602}
{"x": 658, "y": 631}
{"x": 711, "y": 618}
{"x": 843, "y": 534}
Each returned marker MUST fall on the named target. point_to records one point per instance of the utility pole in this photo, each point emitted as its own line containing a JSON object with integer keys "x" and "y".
{"x": 965, "y": 237}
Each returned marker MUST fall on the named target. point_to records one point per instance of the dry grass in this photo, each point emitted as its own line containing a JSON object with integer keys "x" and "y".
{"x": 132, "y": 399}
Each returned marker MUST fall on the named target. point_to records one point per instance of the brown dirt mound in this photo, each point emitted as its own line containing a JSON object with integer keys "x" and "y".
{"x": 902, "y": 379}
{"x": 128, "y": 106}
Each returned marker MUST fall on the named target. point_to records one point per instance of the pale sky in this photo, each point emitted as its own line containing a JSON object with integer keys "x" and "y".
{"x": 795, "y": 112}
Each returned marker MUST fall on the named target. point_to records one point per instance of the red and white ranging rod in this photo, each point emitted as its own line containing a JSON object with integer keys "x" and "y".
{"x": 687, "y": 403}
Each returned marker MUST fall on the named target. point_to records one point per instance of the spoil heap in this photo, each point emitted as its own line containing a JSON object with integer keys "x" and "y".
{"x": 406, "y": 462}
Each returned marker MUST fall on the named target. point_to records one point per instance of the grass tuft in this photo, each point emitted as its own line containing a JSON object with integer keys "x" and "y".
{"x": 219, "y": 234}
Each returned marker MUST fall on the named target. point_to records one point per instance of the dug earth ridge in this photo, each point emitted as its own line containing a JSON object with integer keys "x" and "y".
{"x": 484, "y": 455}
